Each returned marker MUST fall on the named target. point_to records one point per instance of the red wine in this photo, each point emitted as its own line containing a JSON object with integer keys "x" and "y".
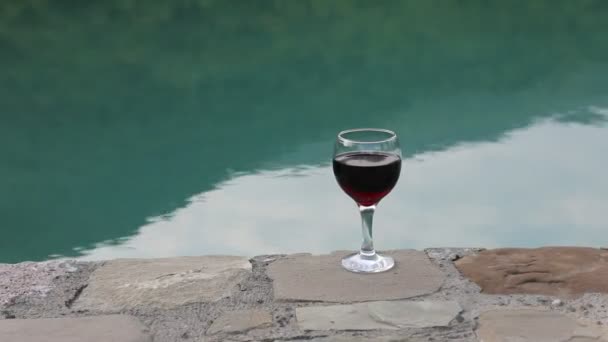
{"x": 367, "y": 176}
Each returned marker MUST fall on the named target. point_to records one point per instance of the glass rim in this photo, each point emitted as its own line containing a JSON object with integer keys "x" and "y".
{"x": 342, "y": 139}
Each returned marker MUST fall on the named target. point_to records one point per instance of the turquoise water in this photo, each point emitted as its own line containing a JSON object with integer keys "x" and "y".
{"x": 148, "y": 129}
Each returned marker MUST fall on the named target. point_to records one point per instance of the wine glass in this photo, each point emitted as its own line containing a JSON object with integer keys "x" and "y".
{"x": 367, "y": 164}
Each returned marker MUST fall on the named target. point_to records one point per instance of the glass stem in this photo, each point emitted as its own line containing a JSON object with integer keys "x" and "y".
{"x": 367, "y": 217}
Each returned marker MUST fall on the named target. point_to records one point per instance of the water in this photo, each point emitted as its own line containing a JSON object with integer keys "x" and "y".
{"x": 147, "y": 129}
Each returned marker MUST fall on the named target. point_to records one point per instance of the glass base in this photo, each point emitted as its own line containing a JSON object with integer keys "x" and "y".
{"x": 368, "y": 264}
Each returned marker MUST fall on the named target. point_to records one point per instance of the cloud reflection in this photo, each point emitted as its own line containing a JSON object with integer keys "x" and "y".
{"x": 542, "y": 185}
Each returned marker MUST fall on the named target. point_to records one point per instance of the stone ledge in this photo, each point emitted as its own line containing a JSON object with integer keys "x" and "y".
{"x": 535, "y": 325}
{"x": 322, "y": 278}
{"x": 240, "y": 321}
{"x": 31, "y": 279}
{"x": 161, "y": 283}
{"x": 216, "y": 299}
{"x": 359, "y": 339}
{"x": 557, "y": 271}
{"x": 115, "y": 328}
{"x": 378, "y": 315}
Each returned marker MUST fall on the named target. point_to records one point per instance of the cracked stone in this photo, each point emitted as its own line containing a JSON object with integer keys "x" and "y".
{"x": 305, "y": 277}
{"x": 240, "y": 321}
{"x": 116, "y": 328}
{"x": 378, "y": 315}
{"x": 30, "y": 279}
{"x": 535, "y": 326}
{"x": 161, "y": 283}
{"x": 556, "y": 271}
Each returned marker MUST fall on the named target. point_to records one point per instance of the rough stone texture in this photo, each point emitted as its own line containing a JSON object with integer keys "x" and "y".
{"x": 240, "y": 321}
{"x": 115, "y": 328}
{"x": 164, "y": 283}
{"x": 560, "y": 271}
{"x": 30, "y": 279}
{"x": 361, "y": 339}
{"x": 190, "y": 322}
{"x": 37, "y": 290}
{"x": 534, "y": 326}
{"x": 378, "y": 315}
{"x": 322, "y": 278}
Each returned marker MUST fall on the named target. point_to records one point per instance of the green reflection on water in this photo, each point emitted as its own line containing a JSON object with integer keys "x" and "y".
{"x": 115, "y": 111}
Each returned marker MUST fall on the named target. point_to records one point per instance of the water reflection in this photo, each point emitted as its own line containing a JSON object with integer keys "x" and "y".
{"x": 544, "y": 184}
{"x": 114, "y": 111}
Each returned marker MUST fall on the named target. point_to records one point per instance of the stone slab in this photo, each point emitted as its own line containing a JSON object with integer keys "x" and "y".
{"x": 240, "y": 321}
{"x": 558, "y": 271}
{"x": 340, "y": 338}
{"x": 378, "y": 315}
{"x": 322, "y": 278}
{"x": 31, "y": 279}
{"x": 115, "y": 328}
{"x": 161, "y": 283}
{"x": 534, "y": 326}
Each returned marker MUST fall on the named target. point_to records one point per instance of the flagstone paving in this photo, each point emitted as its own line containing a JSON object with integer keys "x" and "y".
{"x": 441, "y": 294}
{"x": 322, "y": 278}
{"x": 115, "y": 328}
{"x": 560, "y": 271}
